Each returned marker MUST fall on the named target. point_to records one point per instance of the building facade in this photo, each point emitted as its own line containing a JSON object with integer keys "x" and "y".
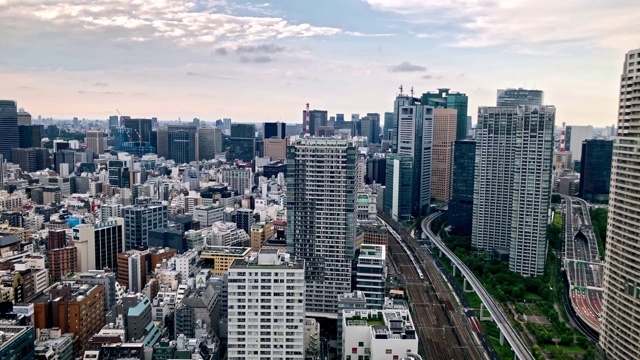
{"x": 520, "y": 96}
{"x": 371, "y": 274}
{"x": 99, "y": 244}
{"x": 460, "y": 214}
{"x": 95, "y": 141}
{"x": 321, "y": 229}
{"x": 575, "y": 135}
{"x": 444, "y": 136}
{"x": 138, "y": 220}
{"x": 242, "y": 144}
{"x": 444, "y": 98}
{"x": 266, "y": 291}
{"x": 595, "y": 170}
{"x": 514, "y": 153}
{"x": 9, "y": 136}
{"x": 399, "y": 187}
{"x": 621, "y": 298}
{"x": 209, "y": 142}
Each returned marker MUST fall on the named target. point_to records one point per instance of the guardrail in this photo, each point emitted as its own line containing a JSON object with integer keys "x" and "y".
{"x": 512, "y": 336}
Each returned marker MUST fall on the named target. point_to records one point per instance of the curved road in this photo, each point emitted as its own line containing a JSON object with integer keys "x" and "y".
{"x": 497, "y": 313}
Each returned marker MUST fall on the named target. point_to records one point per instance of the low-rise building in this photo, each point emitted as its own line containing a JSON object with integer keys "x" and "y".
{"x": 219, "y": 258}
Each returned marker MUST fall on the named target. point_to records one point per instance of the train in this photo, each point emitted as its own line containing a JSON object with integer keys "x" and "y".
{"x": 406, "y": 249}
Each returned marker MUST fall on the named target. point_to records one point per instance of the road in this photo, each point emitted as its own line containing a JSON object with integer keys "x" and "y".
{"x": 501, "y": 319}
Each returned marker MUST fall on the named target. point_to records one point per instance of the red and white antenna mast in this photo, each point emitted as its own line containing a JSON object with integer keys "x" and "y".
{"x": 562, "y": 133}
{"x": 306, "y": 131}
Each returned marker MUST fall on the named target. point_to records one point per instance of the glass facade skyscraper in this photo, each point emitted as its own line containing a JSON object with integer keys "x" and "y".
{"x": 460, "y": 214}
{"x": 399, "y": 187}
{"x": 9, "y": 136}
{"x": 242, "y": 144}
{"x": 595, "y": 170}
{"x": 444, "y": 98}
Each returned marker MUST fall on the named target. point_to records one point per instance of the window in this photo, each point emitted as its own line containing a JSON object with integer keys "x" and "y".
{"x": 395, "y": 357}
{"x": 361, "y": 344}
{"x": 354, "y": 350}
{"x": 388, "y": 351}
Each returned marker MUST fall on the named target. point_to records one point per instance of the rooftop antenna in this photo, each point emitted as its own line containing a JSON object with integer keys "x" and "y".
{"x": 412, "y": 91}
{"x": 400, "y": 89}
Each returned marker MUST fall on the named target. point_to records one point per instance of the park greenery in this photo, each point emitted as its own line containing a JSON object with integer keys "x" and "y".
{"x": 556, "y": 339}
{"x": 599, "y": 220}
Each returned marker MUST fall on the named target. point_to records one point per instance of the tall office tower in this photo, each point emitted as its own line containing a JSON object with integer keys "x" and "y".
{"x": 99, "y": 244}
{"x": 138, "y": 129}
{"x": 281, "y": 334}
{"x": 414, "y": 135}
{"x": 444, "y": 135}
{"x": 370, "y": 127}
{"x": 242, "y": 144}
{"x": 30, "y": 135}
{"x": 621, "y": 301}
{"x": 520, "y": 96}
{"x": 183, "y": 144}
{"x": 388, "y": 125}
{"x": 238, "y": 180}
{"x": 277, "y": 130}
{"x": 460, "y": 214}
{"x": 209, "y": 143}
{"x": 574, "y": 137}
{"x": 9, "y": 136}
{"x": 399, "y": 187}
{"x": 371, "y": 274}
{"x": 226, "y": 126}
{"x": 376, "y": 170}
{"x": 24, "y": 118}
{"x": 321, "y": 224}
{"x": 513, "y": 183}
{"x": 138, "y": 220}
{"x": 62, "y": 257}
{"x": 114, "y": 121}
{"x": 161, "y": 142}
{"x": 317, "y": 118}
{"x": 595, "y": 170}
{"x": 339, "y": 124}
{"x": 31, "y": 159}
{"x": 95, "y": 141}
{"x": 443, "y": 98}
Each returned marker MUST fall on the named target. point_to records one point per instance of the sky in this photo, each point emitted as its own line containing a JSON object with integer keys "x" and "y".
{"x": 256, "y": 61}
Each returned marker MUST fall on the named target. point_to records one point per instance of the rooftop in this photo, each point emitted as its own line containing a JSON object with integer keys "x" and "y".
{"x": 225, "y": 250}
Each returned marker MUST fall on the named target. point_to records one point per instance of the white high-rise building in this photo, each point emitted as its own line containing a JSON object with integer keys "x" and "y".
{"x": 414, "y": 138}
{"x": 619, "y": 336}
{"x": 514, "y": 151}
{"x": 321, "y": 223}
{"x": 574, "y": 137}
{"x": 266, "y": 307}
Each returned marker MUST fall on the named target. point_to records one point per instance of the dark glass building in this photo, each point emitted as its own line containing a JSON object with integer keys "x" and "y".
{"x": 242, "y": 143}
{"x": 31, "y": 159}
{"x": 9, "y": 136}
{"x": 30, "y": 135}
{"x": 461, "y": 206}
{"x": 444, "y": 98}
{"x": 376, "y": 171}
{"x": 182, "y": 143}
{"x": 595, "y": 170}
{"x": 398, "y": 192}
{"x": 317, "y": 118}
{"x": 138, "y": 129}
{"x": 276, "y": 130}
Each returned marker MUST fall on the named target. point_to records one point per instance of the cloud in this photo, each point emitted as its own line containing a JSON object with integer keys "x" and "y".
{"x": 84, "y": 92}
{"x": 221, "y": 51}
{"x": 523, "y": 24}
{"x": 191, "y": 73}
{"x": 264, "y": 48}
{"x": 100, "y": 84}
{"x": 407, "y": 67}
{"x": 23, "y": 87}
{"x": 260, "y": 59}
{"x": 427, "y": 77}
{"x": 360, "y": 34}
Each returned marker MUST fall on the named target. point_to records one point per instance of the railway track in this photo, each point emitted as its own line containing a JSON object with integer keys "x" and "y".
{"x": 444, "y": 330}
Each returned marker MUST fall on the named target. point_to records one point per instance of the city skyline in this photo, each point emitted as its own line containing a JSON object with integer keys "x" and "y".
{"x": 185, "y": 59}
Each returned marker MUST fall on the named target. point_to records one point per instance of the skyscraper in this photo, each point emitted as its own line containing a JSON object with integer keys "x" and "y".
{"x": 520, "y": 96}
{"x": 621, "y": 301}
{"x": 138, "y": 129}
{"x": 242, "y": 145}
{"x": 450, "y": 100}
{"x": 595, "y": 170}
{"x": 574, "y": 137}
{"x": 317, "y": 118}
{"x": 209, "y": 142}
{"x": 276, "y": 130}
{"x": 321, "y": 229}
{"x": 460, "y": 214}
{"x": 95, "y": 141}
{"x": 9, "y": 136}
{"x": 444, "y": 135}
{"x": 31, "y": 159}
{"x": 99, "y": 244}
{"x": 399, "y": 187}
{"x": 513, "y": 183}
{"x": 414, "y": 128}
{"x": 388, "y": 125}
{"x": 183, "y": 144}
{"x": 30, "y": 135}
{"x": 370, "y": 127}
